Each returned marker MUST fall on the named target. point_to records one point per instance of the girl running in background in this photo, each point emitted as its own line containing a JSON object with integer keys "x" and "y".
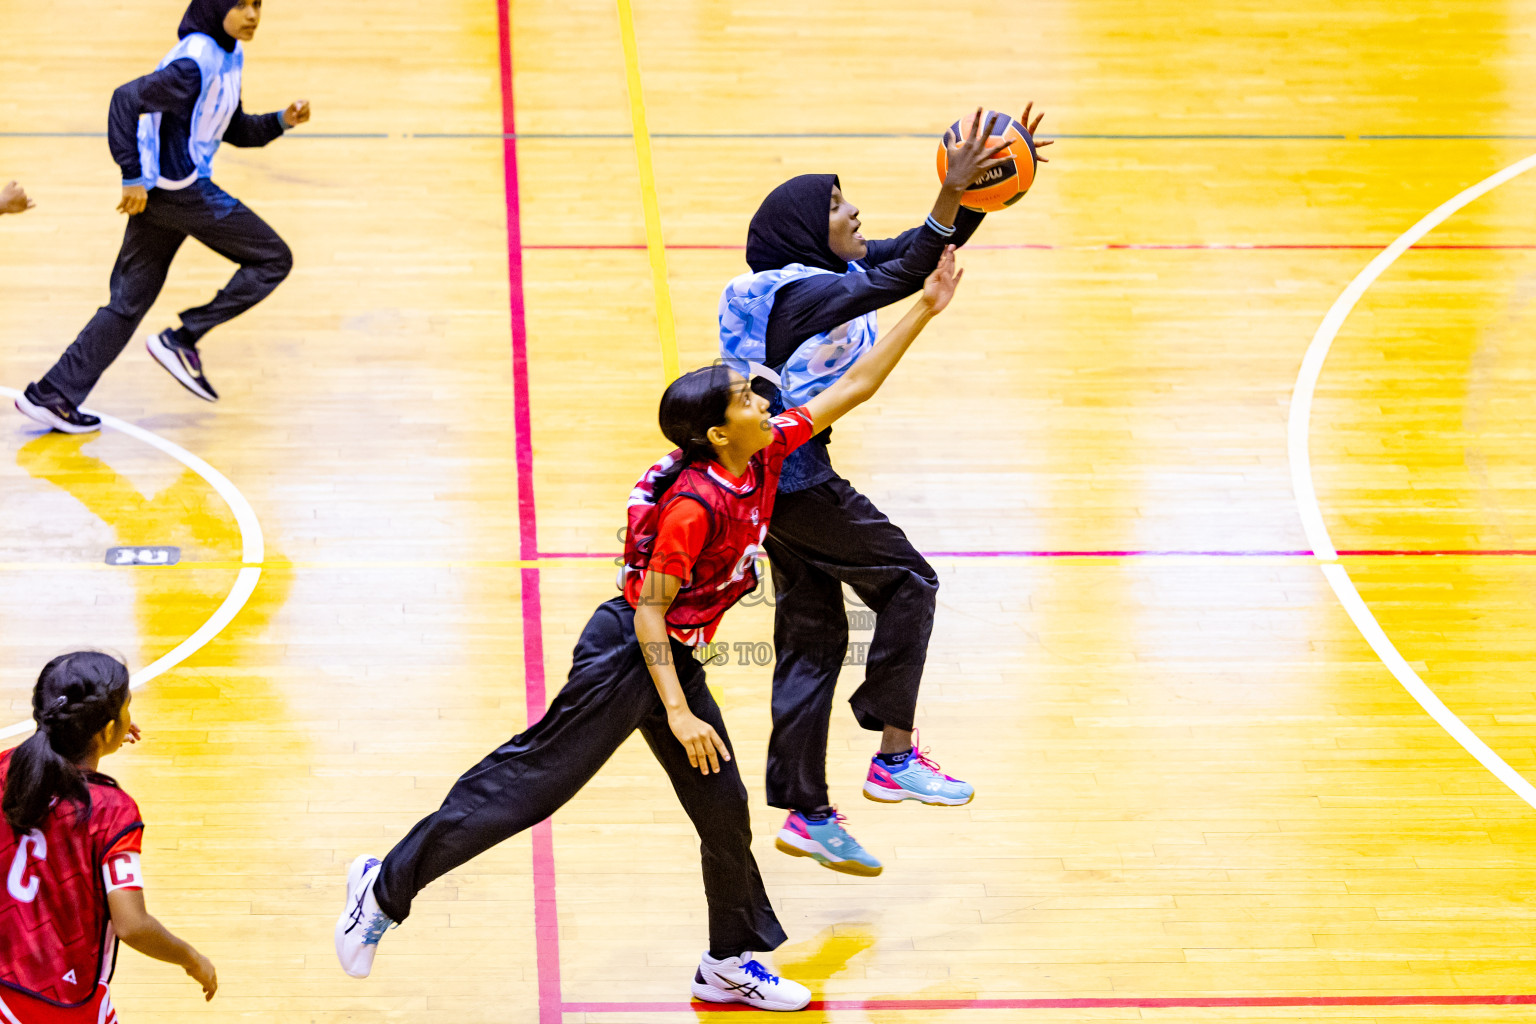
{"x": 70, "y": 853}
{"x": 807, "y": 310}
{"x": 163, "y": 130}
{"x": 695, "y": 522}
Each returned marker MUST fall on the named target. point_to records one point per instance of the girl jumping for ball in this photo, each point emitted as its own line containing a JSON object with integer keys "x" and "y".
{"x": 696, "y": 519}
{"x": 70, "y": 851}
{"x": 807, "y": 311}
{"x": 163, "y": 130}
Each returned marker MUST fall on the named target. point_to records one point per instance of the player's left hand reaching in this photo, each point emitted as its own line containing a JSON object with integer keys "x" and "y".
{"x": 940, "y": 285}
{"x": 1030, "y": 128}
{"x": 296, "y": 114}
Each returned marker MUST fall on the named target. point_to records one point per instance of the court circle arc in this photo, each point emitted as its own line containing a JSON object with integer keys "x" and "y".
{"x": 252, "y": 552}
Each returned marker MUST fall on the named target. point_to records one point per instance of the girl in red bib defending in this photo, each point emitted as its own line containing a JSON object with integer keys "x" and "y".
{"x": 696, "y": 521}
{"x": 71, "y": 854}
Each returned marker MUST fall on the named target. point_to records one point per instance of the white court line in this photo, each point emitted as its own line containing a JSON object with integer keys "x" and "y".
{"x": 1306, "y": 494}
{"x": 252, "y": 551}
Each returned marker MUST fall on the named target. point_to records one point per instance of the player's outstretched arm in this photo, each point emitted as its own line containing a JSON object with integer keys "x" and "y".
{"x": 134, "y": 924}
{"x": 864, "y": 378}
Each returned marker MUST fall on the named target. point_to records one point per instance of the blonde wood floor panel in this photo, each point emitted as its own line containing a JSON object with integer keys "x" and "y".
{"x": 1107, "y": 79}
{"x": 1195, "y": 777}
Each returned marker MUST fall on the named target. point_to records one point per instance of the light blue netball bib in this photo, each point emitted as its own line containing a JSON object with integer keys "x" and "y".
{"x": 816, "y": 363}
{"x": 215, "y": 106}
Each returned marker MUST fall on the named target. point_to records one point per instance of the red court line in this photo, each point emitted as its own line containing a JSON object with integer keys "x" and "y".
{"x": 546, "y": 920}
{"x": 1107, "y": 247}
{"x": 1142, "y": 1003}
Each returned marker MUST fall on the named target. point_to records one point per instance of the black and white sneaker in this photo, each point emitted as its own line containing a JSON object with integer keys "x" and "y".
{"x": 56, "y": 413}
{"x": 741, "y": 979}
{"x": 183, "y": 363}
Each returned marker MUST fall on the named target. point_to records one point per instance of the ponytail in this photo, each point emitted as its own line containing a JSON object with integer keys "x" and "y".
{"x": 77, "y": 695}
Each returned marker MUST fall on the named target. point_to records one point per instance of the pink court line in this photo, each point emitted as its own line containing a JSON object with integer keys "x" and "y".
{"x": 1171, "y": 553}
{"x": 1108, "y": 247}
{"x": 546, "y": 920}
{"x": 1143, "y": 1003}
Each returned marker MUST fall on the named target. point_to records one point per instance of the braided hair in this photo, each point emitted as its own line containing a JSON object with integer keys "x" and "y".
{"x": 77, "y": 695}
{"x": 691, "y": 405}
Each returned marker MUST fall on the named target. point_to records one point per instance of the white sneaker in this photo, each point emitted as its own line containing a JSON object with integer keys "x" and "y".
{"x": 741, "y": 979}
{"x": 181, "y": 362}
{"x": 361, "y": 923}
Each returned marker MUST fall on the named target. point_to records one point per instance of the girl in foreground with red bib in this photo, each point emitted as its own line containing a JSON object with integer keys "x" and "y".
{"x": 697, "y": 519}
{"x": 70, "y": 852}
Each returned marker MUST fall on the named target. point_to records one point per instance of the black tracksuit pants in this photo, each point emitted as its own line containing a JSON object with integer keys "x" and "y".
{"x": 819, "y": 539}
{"x": 608, "y": 695}
{"x": 205, "y": 212}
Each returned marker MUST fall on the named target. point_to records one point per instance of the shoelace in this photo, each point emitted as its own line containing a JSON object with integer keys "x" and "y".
{"x": 840, "y": 819}
{"x": 377, "y": 926}
{"x": 922, "y": 755}
{"x": 760, "y": 972}
{"x": 837, "y": 817}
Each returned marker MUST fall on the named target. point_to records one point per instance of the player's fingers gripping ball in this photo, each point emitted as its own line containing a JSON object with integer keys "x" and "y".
{"x": 1005, "y": 184}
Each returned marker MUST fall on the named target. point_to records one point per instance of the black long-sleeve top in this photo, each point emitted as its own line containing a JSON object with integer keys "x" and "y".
{"x": 172, "y": 92}
{"x": 896, "y": 268}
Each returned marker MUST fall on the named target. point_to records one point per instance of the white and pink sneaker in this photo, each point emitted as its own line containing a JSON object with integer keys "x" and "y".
{"x": 915, "y": 778}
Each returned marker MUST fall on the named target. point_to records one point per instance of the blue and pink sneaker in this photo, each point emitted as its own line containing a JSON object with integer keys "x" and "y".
{"x": 827, "y": 842}
{"x": 916, "y": 777}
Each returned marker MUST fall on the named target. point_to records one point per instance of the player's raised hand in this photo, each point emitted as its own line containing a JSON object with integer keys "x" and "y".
{"x": 135, "y": 198}
{"x": 13, "y": 199}
{"x": 1030, "y": 128}
{"x": 939, "y": 287}
{"x": 971, "y": 157}
{"x": 296, "y": 114}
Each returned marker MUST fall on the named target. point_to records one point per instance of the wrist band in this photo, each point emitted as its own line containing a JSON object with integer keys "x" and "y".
{"x": 940, "y": 228}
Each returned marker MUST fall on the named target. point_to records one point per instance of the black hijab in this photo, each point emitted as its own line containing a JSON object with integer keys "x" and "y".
{"x": 791, "y": 226}
{"x": 207, "y": 17}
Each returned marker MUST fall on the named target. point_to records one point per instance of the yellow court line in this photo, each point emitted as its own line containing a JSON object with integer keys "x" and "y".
{"x": 655, "y": 248}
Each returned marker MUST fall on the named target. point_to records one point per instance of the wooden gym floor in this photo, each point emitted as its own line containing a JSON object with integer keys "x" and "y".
{"x": 1202, "y": 794}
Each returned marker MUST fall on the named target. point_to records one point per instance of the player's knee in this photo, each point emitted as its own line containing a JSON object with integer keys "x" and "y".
{"x": 922, "y": 587}
{"x": 803, "y": 631}
{"x": 733, "y": 822}
{"x": 129, "y": 308}
{"x": 279, "y": 264}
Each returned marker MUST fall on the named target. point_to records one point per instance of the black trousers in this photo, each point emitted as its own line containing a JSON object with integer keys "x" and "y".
{"x": 819, "y": 539}
{"x": 608, "y": 695}
{"x": 205, "y": 212}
